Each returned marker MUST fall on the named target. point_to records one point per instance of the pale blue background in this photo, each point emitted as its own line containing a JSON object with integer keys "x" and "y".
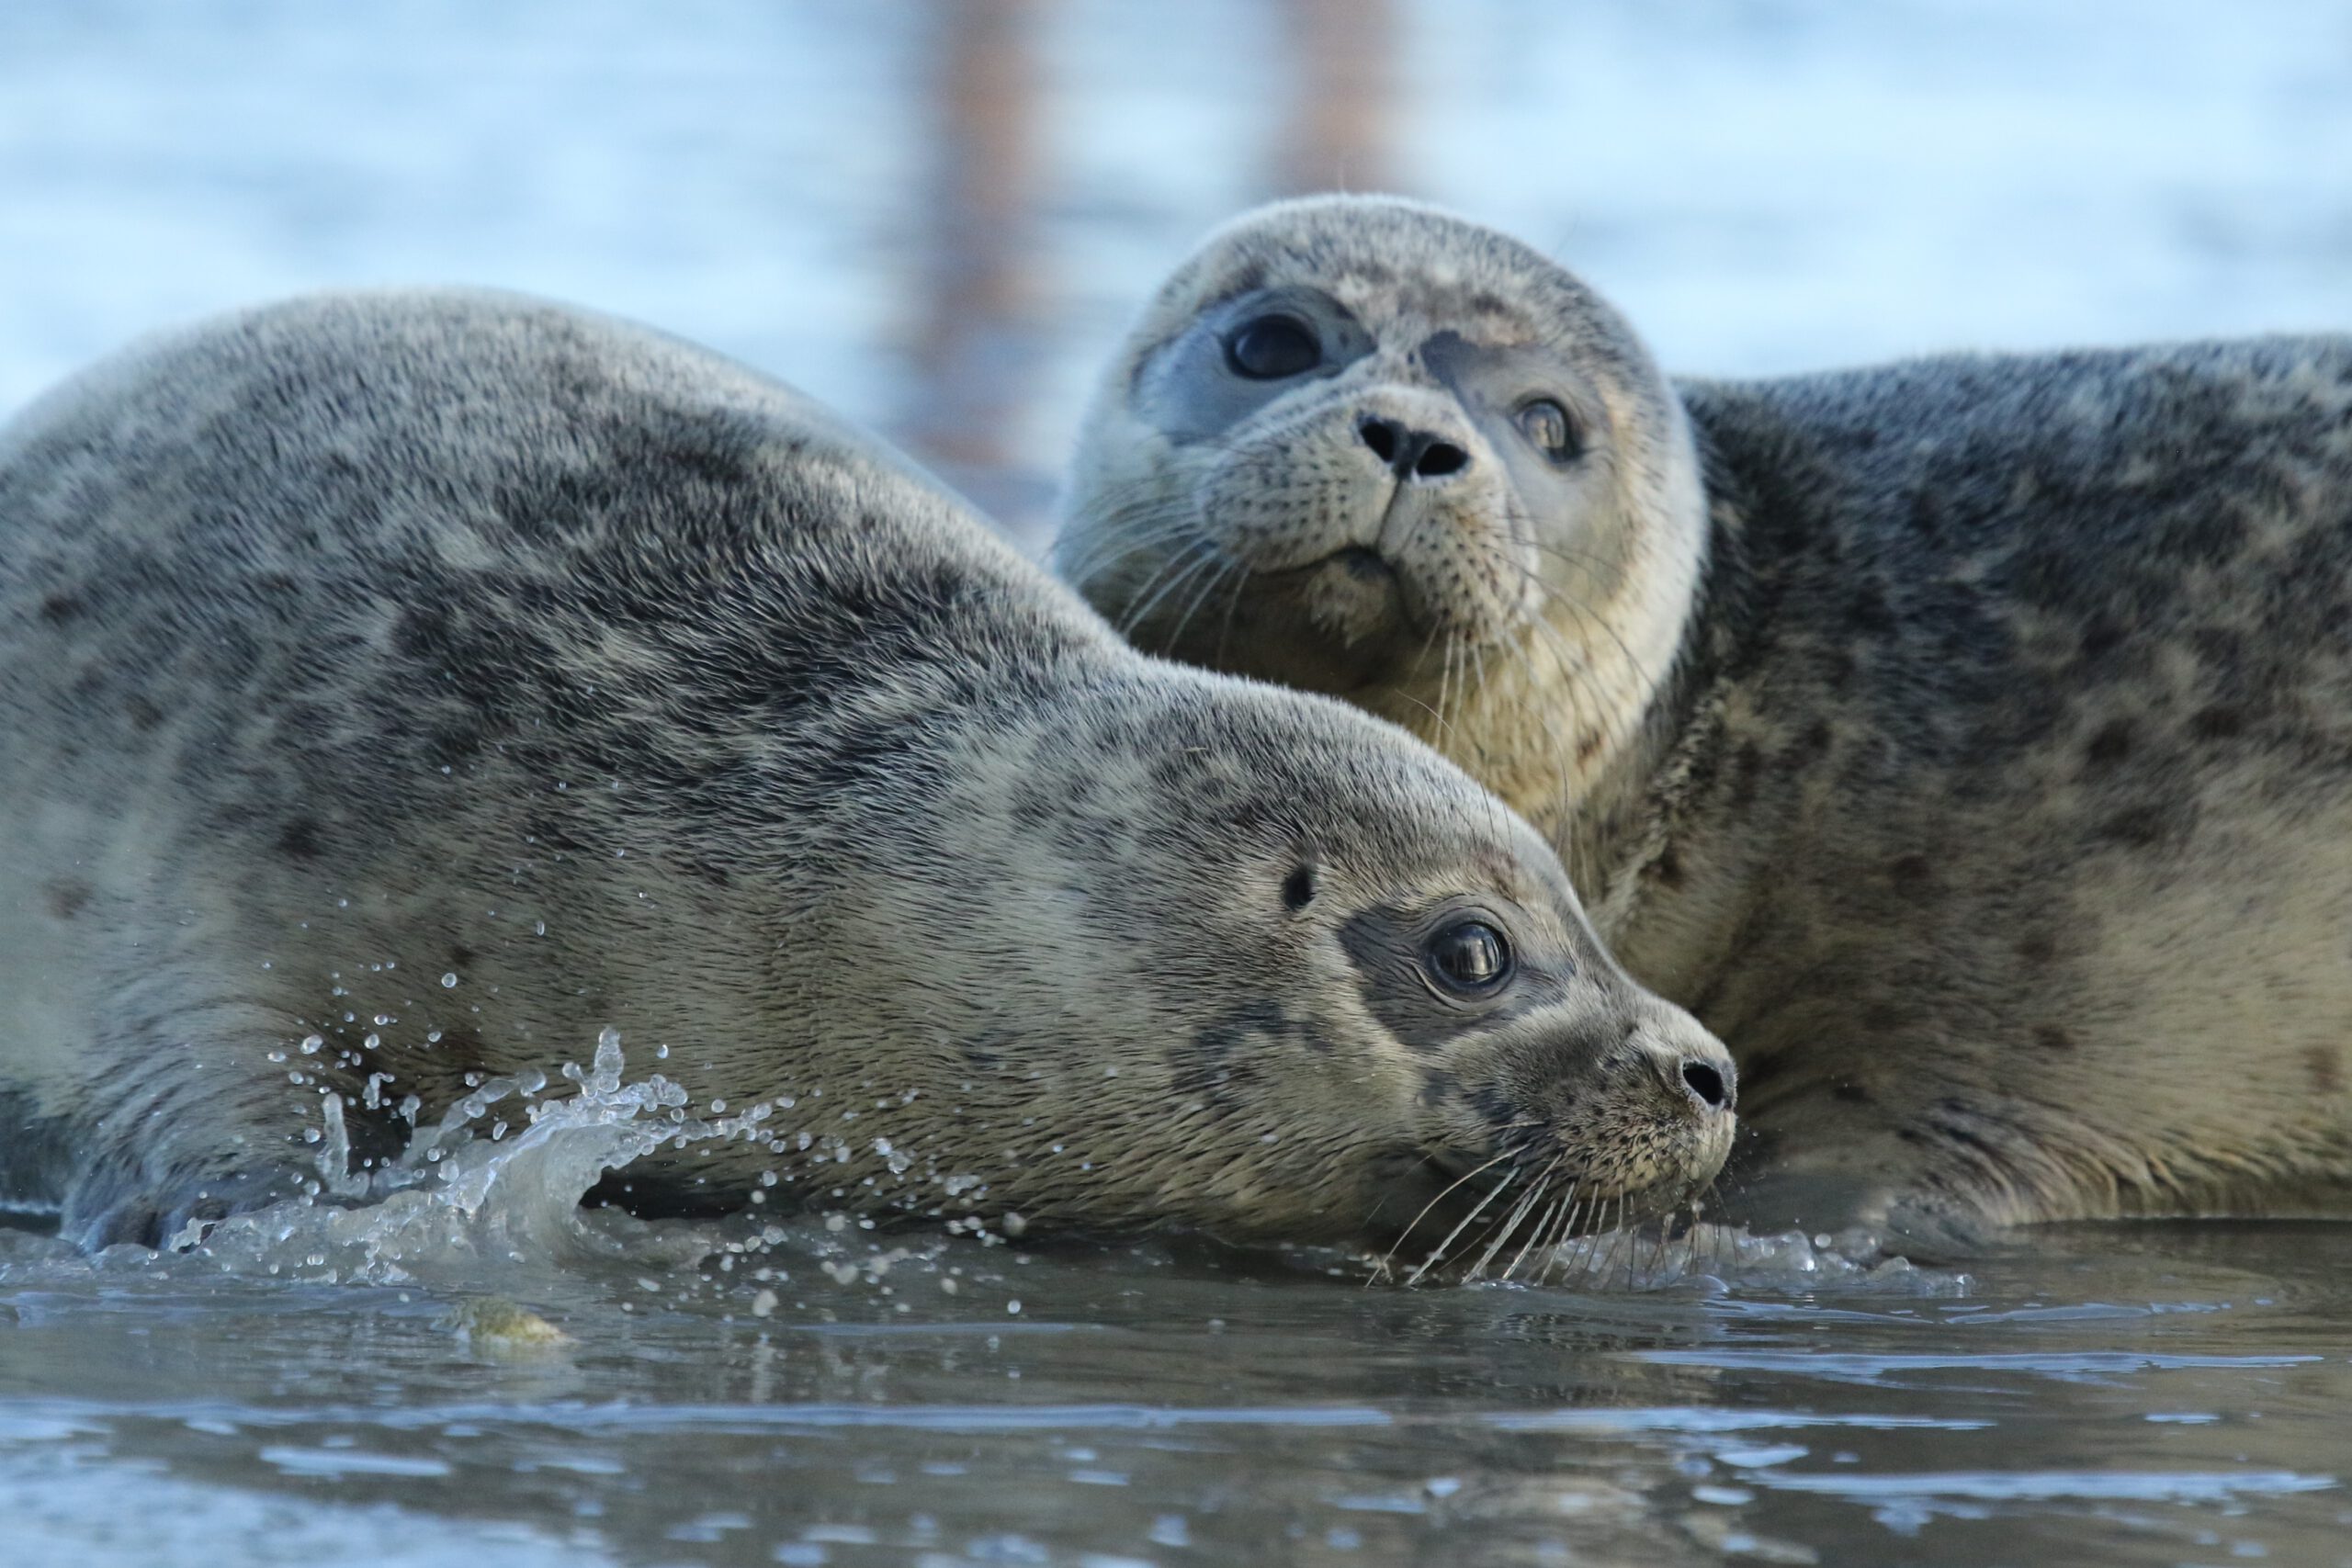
{"x": 1763, "y": 187}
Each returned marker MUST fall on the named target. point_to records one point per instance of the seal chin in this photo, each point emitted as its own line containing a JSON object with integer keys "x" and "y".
{"x": 1332, "y": 625}
{"x": 1354, "y": 596}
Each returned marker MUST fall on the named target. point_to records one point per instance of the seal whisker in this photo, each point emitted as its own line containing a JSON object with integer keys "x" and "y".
{"x": 1232, "y": 607}
{"x": 1141, "y": 527}
{"x": 1503, "y": 1231}
{"x": 1175, "y": 639}
{"x": 1407, "y": 1232}
{"x": 1438, "y": 1256}
{"x": 1555, "y": 1226}
{"x": 1204, "y": 554}
{"x": 1535, "y": 1233}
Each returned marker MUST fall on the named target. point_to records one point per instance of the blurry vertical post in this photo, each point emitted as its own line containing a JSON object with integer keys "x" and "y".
{"x": 1336, "y": 135}
{"x": 975, "y": 350}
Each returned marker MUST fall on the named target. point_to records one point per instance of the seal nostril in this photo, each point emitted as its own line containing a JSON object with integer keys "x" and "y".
{"x": 1380, "y": 434}
{"x": 1439, "y": 459}
{"x": 1704, "y": 1081}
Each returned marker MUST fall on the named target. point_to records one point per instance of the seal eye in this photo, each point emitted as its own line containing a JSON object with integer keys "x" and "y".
{"x": 1298, "y": 888}
{"x": 1469, "y": 958}
{"x": 1273, "y": 348}
{"x": 1546, "y": 424}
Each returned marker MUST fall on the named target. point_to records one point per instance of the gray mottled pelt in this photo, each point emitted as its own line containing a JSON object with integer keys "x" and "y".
{"x": 401, "y": 688}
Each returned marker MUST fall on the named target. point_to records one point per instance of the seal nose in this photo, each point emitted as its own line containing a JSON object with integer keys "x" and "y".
{"x": 1711, "y": 1085}
{"x": 1411, "y": 453}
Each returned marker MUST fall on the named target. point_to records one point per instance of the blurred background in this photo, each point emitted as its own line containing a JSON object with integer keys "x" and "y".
{"x": 938, "y": 214}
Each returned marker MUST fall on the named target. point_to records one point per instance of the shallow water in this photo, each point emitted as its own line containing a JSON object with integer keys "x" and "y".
{"x": 1764, "y": 186}
{"x": 472, "y": 1365}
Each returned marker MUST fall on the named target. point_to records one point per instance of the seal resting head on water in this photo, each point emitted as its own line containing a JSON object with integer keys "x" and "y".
{"x": 401, "y": 688}
{"x": 1968, "y": 741}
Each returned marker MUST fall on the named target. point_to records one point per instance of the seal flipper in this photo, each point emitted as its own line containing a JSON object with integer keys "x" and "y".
{"x": 110, "y": 1206}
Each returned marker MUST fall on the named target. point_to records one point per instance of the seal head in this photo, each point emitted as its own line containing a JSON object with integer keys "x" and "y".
{"x": 1362, "y": 447}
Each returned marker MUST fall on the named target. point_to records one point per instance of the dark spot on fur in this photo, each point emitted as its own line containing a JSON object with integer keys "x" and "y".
{"x": 60, "y": 608}
{"x": 1494, "y": 1106}
{"x": 696, "y": 460}
{"x": 2049, "y": 1037}
{"x": 2217, "y": 724}
{"x": 1867, "y": 612}
{"x": 1852, "y": 1094}
{"x": 1887, "y": 1016}
{"x": 67, "y": 899}
{"x": 299, "y": 838}
{"x": 2101, "y": 637}
{"x": 1439, "y": 1086}
{"x": 460, "y": 955}
{"x": 143, "y": 715}
{"x": 1954, "y": 1132}
{"x": 2327, "y": 1067}
{"x": 423, "y": 631}
{"x": 1667, "y": 868}
{"x": 1912, "y": 875}
{"x": 1747, "y": 769}
{"x": 2110, "y": 746}
{"x": 985, "y": 1050}
{"x": 2037, "y": 948}
{"x": 2137, "y": 826}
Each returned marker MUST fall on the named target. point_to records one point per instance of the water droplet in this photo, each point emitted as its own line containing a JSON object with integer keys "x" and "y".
{"x": 449, "y": 980}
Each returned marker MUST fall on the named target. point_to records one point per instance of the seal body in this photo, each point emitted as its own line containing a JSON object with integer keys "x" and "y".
{"x": 1967, "y": 741}
{"x": 398, "y": 689}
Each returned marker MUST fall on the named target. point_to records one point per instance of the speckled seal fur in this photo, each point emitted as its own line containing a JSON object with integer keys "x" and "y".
{"x": 1968, "y": 741}
{"x": 401, "y": 688}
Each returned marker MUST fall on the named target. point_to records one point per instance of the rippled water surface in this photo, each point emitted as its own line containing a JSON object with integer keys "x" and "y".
{"x": 473, "y": 1366}
{"x": 469, "y": 1372}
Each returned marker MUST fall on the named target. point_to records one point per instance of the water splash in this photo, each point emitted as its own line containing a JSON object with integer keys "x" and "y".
{"x": 483, "y": 1193}
{"x": 1720, "y": 1259}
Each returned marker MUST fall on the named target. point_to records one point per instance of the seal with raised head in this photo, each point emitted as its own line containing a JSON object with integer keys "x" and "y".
{"x": 402, "y": 688}
{"x": 1968, "y": 741}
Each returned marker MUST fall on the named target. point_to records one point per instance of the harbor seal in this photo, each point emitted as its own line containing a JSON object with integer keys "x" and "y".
{"x": 402, "y": 688}
{"x": 1967, "y": 741}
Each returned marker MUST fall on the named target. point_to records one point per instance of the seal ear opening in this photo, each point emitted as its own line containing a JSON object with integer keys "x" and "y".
{"x": 1298, "y": 888}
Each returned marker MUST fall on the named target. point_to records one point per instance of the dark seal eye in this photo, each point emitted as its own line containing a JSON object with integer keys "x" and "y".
{"x": 1270, "y": 348}
{"x": 1298, "y": 888}
{"x": 1546, "y": 424}
{"x": 1469, "y": 958}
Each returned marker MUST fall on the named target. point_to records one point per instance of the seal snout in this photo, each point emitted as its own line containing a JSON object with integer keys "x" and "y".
{"x": 1413, "y": 455}
{"x": 1697, "y": 1073}
{"x": 1711, "y": 1087}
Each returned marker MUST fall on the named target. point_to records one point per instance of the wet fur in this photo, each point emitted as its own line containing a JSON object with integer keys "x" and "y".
{"x": 362, "y": 640}
{"x": 1994, "y": 800}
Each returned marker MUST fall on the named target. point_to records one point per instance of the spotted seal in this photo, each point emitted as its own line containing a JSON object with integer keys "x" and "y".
{"x": 400, "y": 688}
{"x": 1967, "y": 741}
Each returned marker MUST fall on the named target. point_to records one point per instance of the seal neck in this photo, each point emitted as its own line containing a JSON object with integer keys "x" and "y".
{"x": 1618, "y": 829}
